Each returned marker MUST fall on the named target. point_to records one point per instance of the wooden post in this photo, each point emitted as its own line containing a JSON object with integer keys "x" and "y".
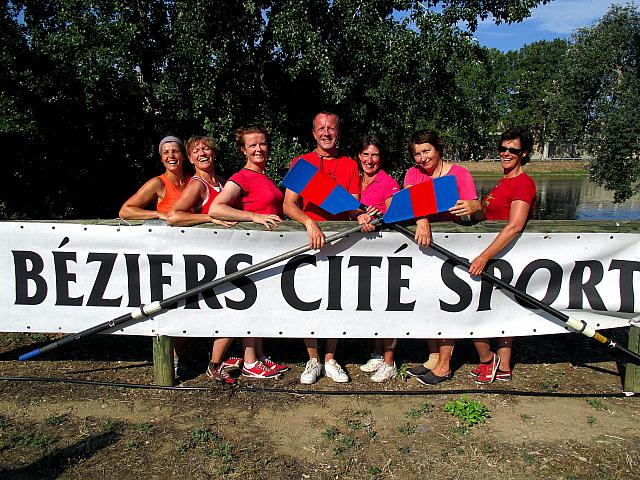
{"x": 163, "y": 361}
{"x": 632, "y": 371}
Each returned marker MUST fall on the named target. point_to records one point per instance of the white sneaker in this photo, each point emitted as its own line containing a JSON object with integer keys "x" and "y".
{"x": 385, "y": 372}
{"x": 312, "y": 371}
{"x": 333, "y": 370}
{"x": 373, "y": 364}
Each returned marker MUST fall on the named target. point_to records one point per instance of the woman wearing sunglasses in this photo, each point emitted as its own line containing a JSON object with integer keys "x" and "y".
{"x": 513, "y": 200}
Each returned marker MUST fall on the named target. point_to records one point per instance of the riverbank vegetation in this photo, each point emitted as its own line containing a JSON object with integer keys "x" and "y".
{"x": 89, "y": 87}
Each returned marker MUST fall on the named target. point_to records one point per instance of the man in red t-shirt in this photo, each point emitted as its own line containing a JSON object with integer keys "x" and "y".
{"x": 326, "y": 131}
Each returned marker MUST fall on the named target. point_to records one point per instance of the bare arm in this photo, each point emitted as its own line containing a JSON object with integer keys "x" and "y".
{"x": 134, "y": 207}
{"x": 181, "y": 215}
{"x": 294, "y": 212}
{"x": 221, "y": 208}
{"x": 423, "y": 230}
{"x": 518, "y": 215}
{"x": 467, "y": 208}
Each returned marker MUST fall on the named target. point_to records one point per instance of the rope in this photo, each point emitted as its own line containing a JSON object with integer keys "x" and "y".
{"x": 296, "y": 391}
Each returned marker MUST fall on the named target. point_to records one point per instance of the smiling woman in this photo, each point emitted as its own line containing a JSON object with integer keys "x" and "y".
{"x": 193, "y": 205}
{"x": 164, "y": 189}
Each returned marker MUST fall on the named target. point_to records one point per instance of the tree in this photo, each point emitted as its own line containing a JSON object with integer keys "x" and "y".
{"x": 597, "y": 99}
{"x": 90, "y": 86}
{"x": 531, "y": 73}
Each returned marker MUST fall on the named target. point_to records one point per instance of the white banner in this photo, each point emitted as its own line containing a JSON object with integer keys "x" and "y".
{"x": 62, "y": 277}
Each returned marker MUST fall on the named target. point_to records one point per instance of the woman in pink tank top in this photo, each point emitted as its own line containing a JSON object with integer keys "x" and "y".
{"x": 161, "y": 191}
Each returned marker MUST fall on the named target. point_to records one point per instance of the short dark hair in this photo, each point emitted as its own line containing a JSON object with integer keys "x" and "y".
{"x": 247, "y": 130}
{"x": 425, "y": 136}
{"x": 526, "y": 141}
{"x": 328, "y": 113}
{"x": 374, "y": 140}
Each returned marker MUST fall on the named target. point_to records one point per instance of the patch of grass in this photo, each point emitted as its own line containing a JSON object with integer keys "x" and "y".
{"x": 403, "y": 450}
{"x": 345, "y": 444}
{"x": 552, "y": 382}
{"x": 204, "y": 435}
{"x": 591, "y": 420}
{"x": 416, "y": 413}
{"x": 595, "y": 403}
{"x": 462, "y": 430}
{"x": 528, "y": 457}
{"x": 54, "y": 420}
{"x": 354, "y": 424}
{"x": 360, "y": 413}
{"x": 109, "y": 426}
{"x": 469, "y": 412}
{"x": 524, "y": 417}
{"x": 224, "y": 451}
{"x": 402, "y": 372}
{"x": 407, "y": 429}
{"x": 144, "y": 427}
{"x": 41, "y": 442}
{"x": 374, "y": 471}
{"x": 331, "y": 433}
{"x": 488, "y": 448}
{"x": 3, "y": 422}
{"x": 134, "y": 445}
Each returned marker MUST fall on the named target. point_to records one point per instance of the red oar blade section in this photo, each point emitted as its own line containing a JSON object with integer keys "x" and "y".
{"x": 423, "y": 199}
{"x": 319, "y": 188}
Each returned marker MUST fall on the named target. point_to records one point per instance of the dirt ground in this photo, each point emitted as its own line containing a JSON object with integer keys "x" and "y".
{"x": 563, "y": 416}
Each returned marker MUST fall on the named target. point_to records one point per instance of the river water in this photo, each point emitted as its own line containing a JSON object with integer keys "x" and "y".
{"x": 572, "y": 198}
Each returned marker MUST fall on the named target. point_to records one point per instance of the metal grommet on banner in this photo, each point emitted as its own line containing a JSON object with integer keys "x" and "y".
{"x": 120, "y": 221}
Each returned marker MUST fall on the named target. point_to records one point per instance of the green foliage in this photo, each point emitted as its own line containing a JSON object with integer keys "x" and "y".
{"x": 597, "y": 97}
{"x": 418, "y": 412}
{"x": 469, "y": 412}
{"x": 55, "y": 420}
{"x": 596, "y": 403}
{"x": 89, "y": 87}
{"x": 331, "y": 433}
{"x": 110, "y": 426}
{"x": 407, "y": 429}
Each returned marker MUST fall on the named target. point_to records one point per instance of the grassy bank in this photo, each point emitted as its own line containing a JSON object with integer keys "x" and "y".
{"x": 532, "y": 168}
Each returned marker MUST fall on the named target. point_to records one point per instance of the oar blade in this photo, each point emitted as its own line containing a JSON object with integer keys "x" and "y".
{"x": 316, "y": 187}
{"x": 423, "y": 199}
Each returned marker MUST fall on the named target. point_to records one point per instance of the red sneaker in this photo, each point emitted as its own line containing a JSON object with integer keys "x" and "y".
{"x": 275, "y": 367}
{"x": 259, "y": 370}
{"x": 232, "y": 363}
{"x": 504, "y": 375}
{"x": 475, "y": 372}
{"x": 220, "y": 375}
{"x": 488, "y": 370}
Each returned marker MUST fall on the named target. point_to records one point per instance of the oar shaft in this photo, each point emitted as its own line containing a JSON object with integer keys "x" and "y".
{"x": 578, "y": 325}
{"x": 145, "y": 311}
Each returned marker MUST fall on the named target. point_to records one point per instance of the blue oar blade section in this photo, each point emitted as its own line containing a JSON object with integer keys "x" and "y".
{"x": 339, "y": 200}
{"x": 299, "y": 176}
{"x": 446, "y": 190}
{"x": 400, "y": 207}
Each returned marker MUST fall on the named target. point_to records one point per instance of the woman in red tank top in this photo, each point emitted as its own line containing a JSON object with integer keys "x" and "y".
{"x": 161, "y": 191}
{"x": 193, "y": 205}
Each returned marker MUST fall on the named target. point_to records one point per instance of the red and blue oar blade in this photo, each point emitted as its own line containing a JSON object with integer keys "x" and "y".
{"x": 319, "y": 188}
{"x": 423, "y": 199}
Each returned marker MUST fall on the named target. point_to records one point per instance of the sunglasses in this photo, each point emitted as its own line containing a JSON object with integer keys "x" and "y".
{"x": 514, "y": 151}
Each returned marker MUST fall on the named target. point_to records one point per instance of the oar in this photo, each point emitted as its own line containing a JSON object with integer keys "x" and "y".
{"x": 439, "y": 195}
{"x": 579, "y": 326}
{"x": 145, "y": 311}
